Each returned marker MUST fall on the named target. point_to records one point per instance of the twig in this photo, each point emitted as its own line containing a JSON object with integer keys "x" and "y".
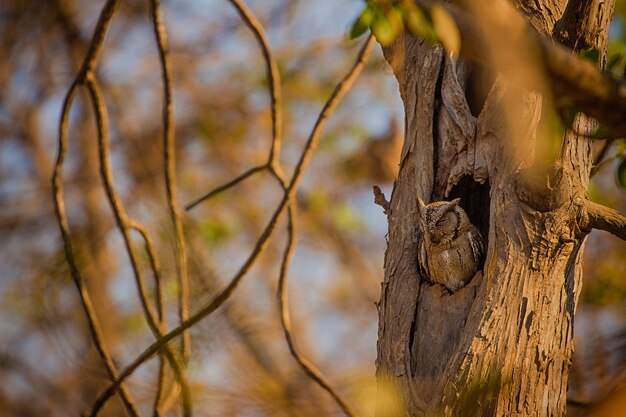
{"x": 59, "y": 203}
{"x": 154, "y": 265}
{"x": 604, "y": 218}
{"x": 379, "y": 198}
{"x": 222, "y": 296}
{"x": 273, "y": 77}
{"x": 226, "y": 186}
{"x": 160, "y": 304}
{"x": 274, "y": 86}
{"x": 283, "y": 304}
{"x": 122, "y": 221}
{"x": 169, "y": 168}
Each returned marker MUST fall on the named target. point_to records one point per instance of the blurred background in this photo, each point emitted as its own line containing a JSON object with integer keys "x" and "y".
{"x": 240, "y": 364}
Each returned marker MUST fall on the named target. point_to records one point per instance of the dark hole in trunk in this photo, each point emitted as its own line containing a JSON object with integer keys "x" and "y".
{"x": 475, "y": 201}
{"x": 479, "y": 84}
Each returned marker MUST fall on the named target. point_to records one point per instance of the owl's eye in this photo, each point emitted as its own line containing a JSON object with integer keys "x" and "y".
{"x": 445, "y": 220}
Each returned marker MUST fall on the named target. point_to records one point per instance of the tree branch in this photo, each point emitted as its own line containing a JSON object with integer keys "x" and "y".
{"x": 122, "y": 221}
{"x": 340, "y": 90}
{"x": 226, "y": 186}
{"x": 604, "y": 218}
{"x": 169, "y": 168}
{"x": 273, "y": 77}
{"x": 274, "y": 86}
{"x": 283, "y": 304}
{"x": 59, "y": 202}
{"x": 160, "y": 304}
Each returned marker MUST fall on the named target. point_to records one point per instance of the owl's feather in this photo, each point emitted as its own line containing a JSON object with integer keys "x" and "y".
{"x": 477, "y": 244}
{"x": 450, "y": 249}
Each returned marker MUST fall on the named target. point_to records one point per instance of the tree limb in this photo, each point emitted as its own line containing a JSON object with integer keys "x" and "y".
{"x": 285, "y": 320}
{"x": 340, "y": 90}
{"x": 59, "y": 202}
{"x": 604, "y": 218}
{"x": 169, "y": 169}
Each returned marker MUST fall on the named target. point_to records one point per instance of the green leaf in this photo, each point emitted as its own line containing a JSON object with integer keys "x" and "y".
{"x": 386, "y": 27}
{"x": 363, "y": 22}
{"x": 418, "y": 23}
{"x": 592, "y": 55}
{"x": 446, "y": 29}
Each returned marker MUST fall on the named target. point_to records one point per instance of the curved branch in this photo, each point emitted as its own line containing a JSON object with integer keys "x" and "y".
{"x": 160, "y": 304}
{"x": 122, "y": 221}
{"x": 59, "y": 208}
{"x": 169, "y": 168}
{"x": 154, "y": 265}
{"x": 274, "y": 85}
{"x": 283, "y": 304}
{"x": 340, "y": 90}
{"x": 89, "y": 62}
{"x": 273, "y": 77}
{"x": 604, "y": 218}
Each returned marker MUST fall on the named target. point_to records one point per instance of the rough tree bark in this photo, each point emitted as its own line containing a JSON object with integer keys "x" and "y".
{"x": 502, "y": 345}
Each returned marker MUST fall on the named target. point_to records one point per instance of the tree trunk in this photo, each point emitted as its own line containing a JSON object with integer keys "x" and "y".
{"x": 500, "y": 346}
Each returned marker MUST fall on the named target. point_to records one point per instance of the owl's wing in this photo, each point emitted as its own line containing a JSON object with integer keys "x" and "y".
{"x": 422, "y": 257}
{"x": 477, "y": 244}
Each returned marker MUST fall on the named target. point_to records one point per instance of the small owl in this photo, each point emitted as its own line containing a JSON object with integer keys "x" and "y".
{"x": 449, "y": 248}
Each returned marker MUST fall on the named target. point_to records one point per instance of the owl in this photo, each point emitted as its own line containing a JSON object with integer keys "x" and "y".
{"x": 449, "y": 249}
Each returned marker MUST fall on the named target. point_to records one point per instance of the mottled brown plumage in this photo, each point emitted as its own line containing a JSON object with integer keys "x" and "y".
{"x": 449, "y": 249}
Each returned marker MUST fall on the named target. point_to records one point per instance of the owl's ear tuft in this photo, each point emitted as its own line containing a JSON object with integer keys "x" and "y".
{"x": 420, "y": 203}
{"x": 456, "y": 201}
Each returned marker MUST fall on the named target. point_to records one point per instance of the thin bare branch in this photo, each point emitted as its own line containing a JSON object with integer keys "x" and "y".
{"x": 89, "y": 62}
{"x": 121, "y": 218}
{"x": 604, "y": 218}
{"x": 95, "y": 47}
{"x": 283, "y": 304}
{"x": 340, "y": 90}
{"x": 169, "y": 168}
{"x": 122, "y": 221}
{"x": 274, "y": 86}
{"x": 273, "y": 77}
{"x": 160, "y": 305}
{"x": 226, "y": 186}
{"x": 154, "y": 265}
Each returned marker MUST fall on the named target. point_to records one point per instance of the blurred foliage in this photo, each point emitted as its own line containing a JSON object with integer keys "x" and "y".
{"x": 388, "y": 18}
{"x": 240, "y": 363}
{"x": 222, "y": 123}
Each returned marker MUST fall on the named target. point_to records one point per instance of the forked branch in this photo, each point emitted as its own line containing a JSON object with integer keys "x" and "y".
{"x": 340, "y": 90}
{"x": 123, "y": 223}
{"x": 59, "y": 201}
